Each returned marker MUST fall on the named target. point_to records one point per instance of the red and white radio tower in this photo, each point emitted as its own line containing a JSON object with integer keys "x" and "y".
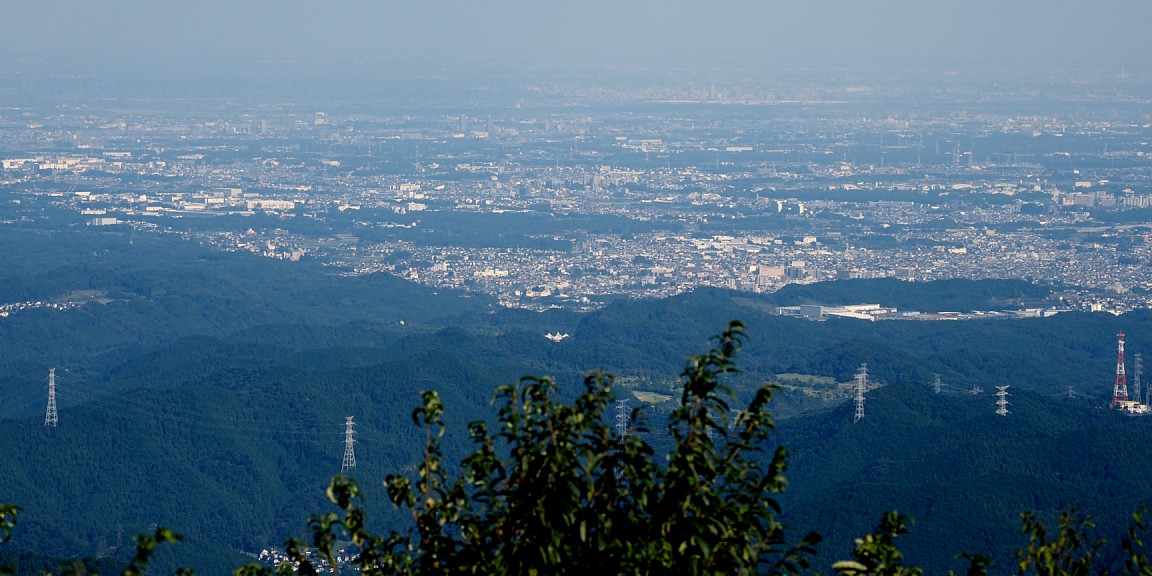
{"x": 1120, "y": 391}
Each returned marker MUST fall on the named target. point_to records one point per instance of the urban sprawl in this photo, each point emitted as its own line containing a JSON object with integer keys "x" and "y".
{"x": 546, "y": 196}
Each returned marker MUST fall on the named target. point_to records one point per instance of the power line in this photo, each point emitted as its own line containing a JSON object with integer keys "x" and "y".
{"x": 349, "y": 442}
{"x": 735, "y": 420}
{"x": 50, "y": 417}
{"x": 861, "y": 388}
{"x": 1137, "y": 368}
{"x": 1002, "y": 403}
{"x": 621, "y": 418}
{"x": 284, "y": 432}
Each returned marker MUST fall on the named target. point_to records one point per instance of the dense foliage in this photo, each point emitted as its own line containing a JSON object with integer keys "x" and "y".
{"x": 555, "y": 491}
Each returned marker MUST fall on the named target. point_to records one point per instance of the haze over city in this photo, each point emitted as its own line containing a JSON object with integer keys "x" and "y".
{"x": 219, "y": 37}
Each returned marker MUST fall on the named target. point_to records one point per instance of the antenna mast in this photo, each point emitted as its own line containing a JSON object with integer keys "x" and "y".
{"x": 349, "y": 442}
{"x": 861, "y": 388}
{"x": 1120, "y": 390}
{"x": 50, "y": 416}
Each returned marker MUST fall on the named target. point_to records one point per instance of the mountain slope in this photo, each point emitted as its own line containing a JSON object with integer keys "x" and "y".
{"x": 962, "y": 471}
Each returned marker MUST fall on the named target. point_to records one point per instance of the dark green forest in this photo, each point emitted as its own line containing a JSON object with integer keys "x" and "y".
{"x": 206, "y": 392}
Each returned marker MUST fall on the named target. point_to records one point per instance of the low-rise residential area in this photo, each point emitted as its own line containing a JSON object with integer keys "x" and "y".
{"x": 573, "y": 198}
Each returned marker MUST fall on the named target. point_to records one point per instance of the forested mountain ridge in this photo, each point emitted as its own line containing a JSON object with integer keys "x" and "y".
{"x": 207, "y": 392}
{"x": 962, "y": 471}
{"x": 126, "y": 297}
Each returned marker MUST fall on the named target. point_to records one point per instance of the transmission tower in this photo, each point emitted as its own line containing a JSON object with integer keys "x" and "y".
{"x": 1002, "y": 401}
{"x": 349, "y": 442}
{"x": 621, "y": 418}
{"x": 1120, "y": 390}
{"x": 936, "y": 385}
{"x": 1137, "y": 368}
{"x": 50, "y": 416}
{"x": 1071, "y": 393}
{"x": 861, "y": 388}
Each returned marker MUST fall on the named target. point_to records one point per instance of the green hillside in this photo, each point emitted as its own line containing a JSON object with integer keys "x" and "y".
{"x": 962, "y": 471}
{"x": 207, "y": 392}
{"x": 953, "y": 295}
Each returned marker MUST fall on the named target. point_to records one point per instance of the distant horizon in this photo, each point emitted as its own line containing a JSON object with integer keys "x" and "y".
{"x": 149, "y": 78}
{"x": 217, "y": 38}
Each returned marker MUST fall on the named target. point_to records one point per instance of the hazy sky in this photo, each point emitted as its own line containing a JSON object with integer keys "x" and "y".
{"x": 1110, "y": 34}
